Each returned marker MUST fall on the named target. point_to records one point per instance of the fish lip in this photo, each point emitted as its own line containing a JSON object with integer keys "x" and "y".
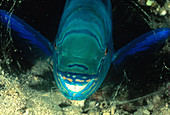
{"x": 76, "y": 78}
{"x": 75, "y": 86}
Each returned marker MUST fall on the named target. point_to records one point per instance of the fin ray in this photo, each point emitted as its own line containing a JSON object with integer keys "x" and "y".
{"x": 28, "y": 40}
{"x": 143, "y": 45}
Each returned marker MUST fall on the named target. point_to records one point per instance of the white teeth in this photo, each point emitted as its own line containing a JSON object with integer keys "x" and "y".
{"x": 75, "y": 88}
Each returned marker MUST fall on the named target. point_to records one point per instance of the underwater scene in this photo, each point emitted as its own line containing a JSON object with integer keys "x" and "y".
{"x": 85, "y": 57}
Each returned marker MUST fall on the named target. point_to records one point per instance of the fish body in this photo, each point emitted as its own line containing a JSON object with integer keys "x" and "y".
{"x": 83, "y": 48}
{"x": 84, "y": 35}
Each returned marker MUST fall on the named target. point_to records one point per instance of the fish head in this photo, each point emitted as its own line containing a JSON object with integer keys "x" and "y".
{"x": 80, "y": 66}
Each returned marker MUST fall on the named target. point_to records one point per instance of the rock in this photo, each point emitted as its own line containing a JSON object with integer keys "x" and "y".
{"x": 113, "y": 109}
{"x": 78, "y": 103}
{"x": 150, "y": 107}
{"x": 156, "y": 99}
{"x": 106, "y": 113}
{"x": 93, "y": 113}
{"x": 142, "y": 112}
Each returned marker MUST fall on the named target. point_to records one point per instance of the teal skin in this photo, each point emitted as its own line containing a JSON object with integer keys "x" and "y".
{"x": 84, "y": 35}
{"x": 83, "y": 49}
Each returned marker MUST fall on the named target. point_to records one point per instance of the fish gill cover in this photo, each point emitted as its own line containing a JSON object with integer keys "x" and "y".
{"x": 29, "y": 88}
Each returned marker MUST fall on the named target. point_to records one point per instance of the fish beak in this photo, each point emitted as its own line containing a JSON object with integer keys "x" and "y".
{"x": 75, "y": 88}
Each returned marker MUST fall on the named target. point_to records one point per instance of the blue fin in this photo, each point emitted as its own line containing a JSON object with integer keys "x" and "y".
{"x": 145, "y": 44}
{"x": 28, "y": 40}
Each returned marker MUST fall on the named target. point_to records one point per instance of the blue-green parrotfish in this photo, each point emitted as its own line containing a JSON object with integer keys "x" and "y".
{"x": 82, "y": 52}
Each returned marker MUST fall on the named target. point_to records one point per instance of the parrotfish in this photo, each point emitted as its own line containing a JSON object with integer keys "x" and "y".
{"x": 82, "y": 52}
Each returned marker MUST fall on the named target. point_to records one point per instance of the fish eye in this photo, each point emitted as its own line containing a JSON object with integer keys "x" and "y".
{"x": 106, "y": 51}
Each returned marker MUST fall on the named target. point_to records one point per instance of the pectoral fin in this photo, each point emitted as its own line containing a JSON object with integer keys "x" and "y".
{"x": 28, "y": 40}
{"x": 144, "y": 45}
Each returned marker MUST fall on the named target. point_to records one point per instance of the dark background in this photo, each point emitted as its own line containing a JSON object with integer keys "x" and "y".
{"x": 44, "y": 16}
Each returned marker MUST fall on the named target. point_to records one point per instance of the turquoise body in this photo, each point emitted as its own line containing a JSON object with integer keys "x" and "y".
{"x": 84, "y": 35}
{"x": 83, "y": 48}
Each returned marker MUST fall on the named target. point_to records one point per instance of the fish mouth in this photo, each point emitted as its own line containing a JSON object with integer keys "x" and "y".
{"x": 74, "y": 85}
{"x": 76, "y": 78}
{"x": 77, "y": 86}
